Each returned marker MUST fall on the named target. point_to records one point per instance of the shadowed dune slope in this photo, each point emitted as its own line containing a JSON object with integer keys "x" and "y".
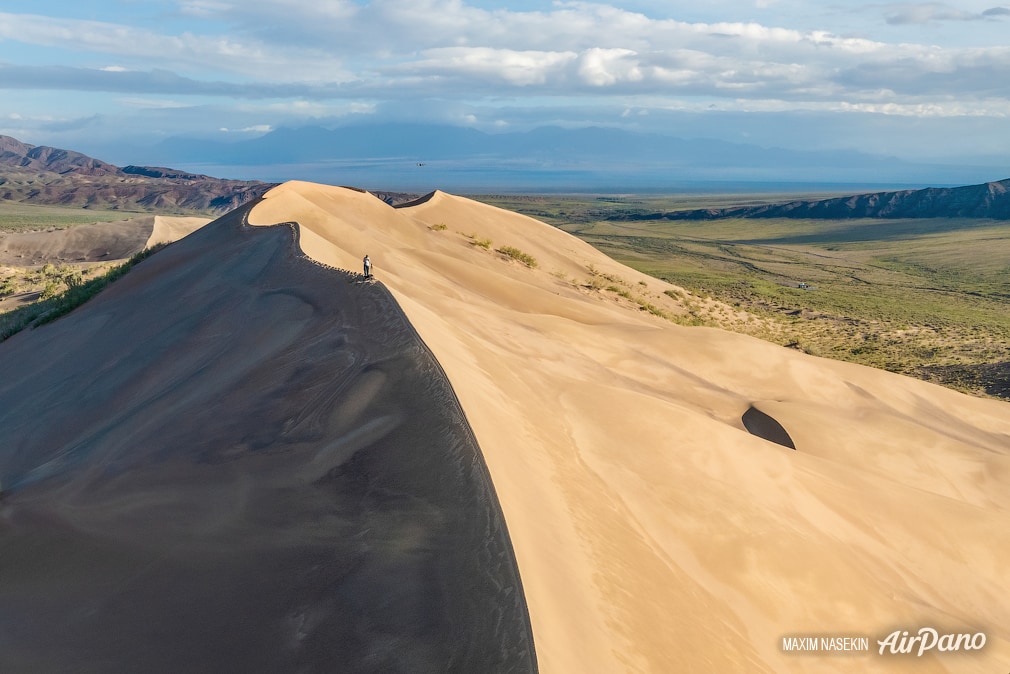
{"x": 652, "y": 531}
{"x": 237, "y": 460}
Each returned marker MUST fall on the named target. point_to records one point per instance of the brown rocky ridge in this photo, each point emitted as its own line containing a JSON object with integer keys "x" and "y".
{"x": 51, "y": 176}
{"x": 988, "y": 201}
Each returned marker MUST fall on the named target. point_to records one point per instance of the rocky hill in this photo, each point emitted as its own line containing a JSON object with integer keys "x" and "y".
{"x": 989, "y": 200}
{"x": 47, "y": 175}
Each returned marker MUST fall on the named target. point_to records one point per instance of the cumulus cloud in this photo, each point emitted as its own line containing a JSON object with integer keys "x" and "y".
{"x": 383, "y": 50}
{"x": 605, "y": 67}
{"x": 183, "y": 51}
{"x": 517, "y": 68}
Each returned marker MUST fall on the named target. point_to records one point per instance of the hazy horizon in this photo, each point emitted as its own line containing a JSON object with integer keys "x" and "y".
{"x": 919, "y": 82}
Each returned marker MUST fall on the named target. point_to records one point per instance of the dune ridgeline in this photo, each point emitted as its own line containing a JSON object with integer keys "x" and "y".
{"x": 243, "y": 457}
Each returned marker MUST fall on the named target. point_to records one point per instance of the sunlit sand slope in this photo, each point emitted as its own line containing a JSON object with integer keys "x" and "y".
{"x": 237, "y": 460}
{"x": 653, "y": 532}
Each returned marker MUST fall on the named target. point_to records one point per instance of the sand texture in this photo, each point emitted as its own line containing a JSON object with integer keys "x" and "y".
{"x": 230, "y": 449}
{"x": 237, "y": 460}
{"x": 97, "y": 242}
{"x": 653, "y": 532}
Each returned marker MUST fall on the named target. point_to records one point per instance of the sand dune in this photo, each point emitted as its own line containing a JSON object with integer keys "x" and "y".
{"x": 224, "y": 394}
{"x": 238, "y": 461}
{"x": 652, "y": 531}
{"x": 167, "y": 229}
{"x": 98, "y": 242}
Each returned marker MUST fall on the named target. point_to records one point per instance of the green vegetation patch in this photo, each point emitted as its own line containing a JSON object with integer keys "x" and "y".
{"x": 478, "y": 241}
{"x": 516, "y": 254}
{"x": 17, "y": 217}
{"x": 65, "y": 290}
{"x": 924, "y": 297}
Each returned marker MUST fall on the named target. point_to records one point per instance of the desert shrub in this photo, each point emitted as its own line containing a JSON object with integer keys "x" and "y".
{"x": 614, "y": 279}
{"x": 70, "y": 277}
{"x": 51, "y": 290}
{"x": 477, "y": 241}
{"x": 33, "y": 276}
{"x": 53, "y": 278}
{"x": 57, "y": 303}
{"x": 594, "y": 271}
{"x": 8, "y": 286}
{"x": 440, "y": 227}
{"x": 652, "y": 309}
{"x": 516, "y": 254}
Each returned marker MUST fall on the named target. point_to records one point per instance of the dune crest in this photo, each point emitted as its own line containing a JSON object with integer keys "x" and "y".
{"x": 235, "y": 460}
{"x": 652, "y": 531}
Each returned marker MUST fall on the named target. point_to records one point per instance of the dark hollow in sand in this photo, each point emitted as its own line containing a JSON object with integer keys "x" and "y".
{"x": 237, "y": 460}
{"x": 764, "y": 426}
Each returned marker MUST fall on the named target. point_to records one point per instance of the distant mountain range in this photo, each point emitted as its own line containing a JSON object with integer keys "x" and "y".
{"x": 421, "y": 157}
{"x": 48, "y": 175}
{"x": 990, "y": 200}
{"x": 592, "y": 148}
{"x": 432, "y": 142}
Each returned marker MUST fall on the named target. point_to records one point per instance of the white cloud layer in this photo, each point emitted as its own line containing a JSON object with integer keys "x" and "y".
{"x": 341, "y": 49}
{"x": 311, "y": 57}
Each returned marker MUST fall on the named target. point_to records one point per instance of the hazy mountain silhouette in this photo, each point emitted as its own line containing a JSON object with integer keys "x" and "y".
{"x": 604, "y": 146}
{"x": 47, "y": 175}
{"x": 551, "y": 159}
{"x": 989, "y": 200}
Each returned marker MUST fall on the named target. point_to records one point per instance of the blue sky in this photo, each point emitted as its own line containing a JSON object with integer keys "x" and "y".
{"x": 919, "y": 80}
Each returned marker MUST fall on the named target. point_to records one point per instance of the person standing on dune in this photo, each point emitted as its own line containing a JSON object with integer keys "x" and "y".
{"x": 368, "y": 266}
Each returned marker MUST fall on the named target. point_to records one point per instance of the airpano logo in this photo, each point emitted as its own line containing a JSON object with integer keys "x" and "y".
{"x": 928, "y": 639}
{"x": 825, "y": 644}
{"x": 898, "y": 642}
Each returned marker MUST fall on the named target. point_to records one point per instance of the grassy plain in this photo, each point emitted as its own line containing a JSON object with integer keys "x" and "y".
{"x": 42, "y": 294}
{"x": 17, "y": 217}
{"x": 65, "y": 289}
{"x": 925, "y": 297}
